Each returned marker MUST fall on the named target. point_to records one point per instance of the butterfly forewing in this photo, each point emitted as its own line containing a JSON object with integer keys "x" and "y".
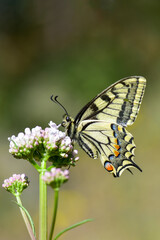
{"x": 119, "y": 103}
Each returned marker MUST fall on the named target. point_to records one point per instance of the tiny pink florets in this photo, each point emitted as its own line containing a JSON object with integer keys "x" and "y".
{"x": 55, "y": 177}
{"x": 16, "y": 183}
{"x": 50, "y": 140}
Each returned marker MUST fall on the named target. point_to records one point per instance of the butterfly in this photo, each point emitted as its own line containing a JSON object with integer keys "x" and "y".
{"x": 100, "y": 126}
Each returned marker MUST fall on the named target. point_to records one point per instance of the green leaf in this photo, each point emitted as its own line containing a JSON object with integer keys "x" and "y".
{"x": 29, "y": 217}
{"x": 71, "y": 227}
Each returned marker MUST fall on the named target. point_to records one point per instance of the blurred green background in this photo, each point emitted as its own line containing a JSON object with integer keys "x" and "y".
{"x": 75, "y": 49}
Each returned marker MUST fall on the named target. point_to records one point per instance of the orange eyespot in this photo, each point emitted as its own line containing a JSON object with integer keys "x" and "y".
{"x": 108, "y": 166}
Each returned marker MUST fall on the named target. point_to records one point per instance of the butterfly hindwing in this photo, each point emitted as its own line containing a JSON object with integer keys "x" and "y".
{"x": 111, "y": 142}
{"x": 118, "y": 104}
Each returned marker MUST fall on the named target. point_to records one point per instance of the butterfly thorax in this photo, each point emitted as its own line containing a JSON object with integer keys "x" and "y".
{"x": 68, "y": 124}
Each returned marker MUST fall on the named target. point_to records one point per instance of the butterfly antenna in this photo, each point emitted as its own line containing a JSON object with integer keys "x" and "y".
{"x": 56, "y": 101}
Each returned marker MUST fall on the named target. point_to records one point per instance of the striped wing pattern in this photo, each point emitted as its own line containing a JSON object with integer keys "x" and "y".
{"x": 118, "y": 104}
{"x": 111, "y": 142}
{"x": 99, "y": 127}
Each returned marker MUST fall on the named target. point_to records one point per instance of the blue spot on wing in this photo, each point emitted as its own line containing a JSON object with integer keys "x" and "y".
{"x": 111, "y": 157}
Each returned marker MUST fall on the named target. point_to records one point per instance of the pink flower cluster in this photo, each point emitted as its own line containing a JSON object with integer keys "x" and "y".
{"x": 56, "y": 177}
{"x": 36, "y": 141}
{"x": 16, "y": 184}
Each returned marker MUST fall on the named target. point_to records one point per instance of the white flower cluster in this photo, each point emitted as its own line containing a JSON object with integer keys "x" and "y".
{"x": 33, "y": 143}
{"x": 25, "y": 142}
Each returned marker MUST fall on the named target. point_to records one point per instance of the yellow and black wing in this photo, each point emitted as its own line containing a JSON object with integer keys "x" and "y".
{"x": 111, "y": 142}
{"x": 118, "y": 104}
{"x": 99, "y": 127}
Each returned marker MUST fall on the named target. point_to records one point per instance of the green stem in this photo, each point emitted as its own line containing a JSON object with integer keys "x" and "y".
{"x": 35, "y": 165}
{"x": 25, "y": 218}
{"x": 56, "y": 195}
{"x": 71, "y": 227}
{"x": 42, "y": 203}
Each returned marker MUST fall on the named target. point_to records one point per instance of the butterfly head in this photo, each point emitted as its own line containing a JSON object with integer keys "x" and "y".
{"x": 66, "y": 121}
